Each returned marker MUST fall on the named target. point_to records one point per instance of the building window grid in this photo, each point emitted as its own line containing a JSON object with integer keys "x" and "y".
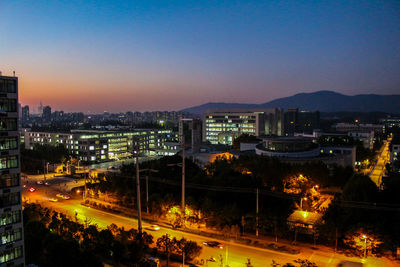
{"x": 10, "y": 218}
{"x": 10, "y": 199}
{"x": 10, "y": 254}
{"x": 8, "y": 143}
{"x": 11, "y": 236}
{"x": 9, "y": 180}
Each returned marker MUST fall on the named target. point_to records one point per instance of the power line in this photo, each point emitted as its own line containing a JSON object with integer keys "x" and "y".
{"x": 249, "y": 190}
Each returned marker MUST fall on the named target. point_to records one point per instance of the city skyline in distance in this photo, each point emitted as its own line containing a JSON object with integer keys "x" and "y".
{"x": 160, "y": 56}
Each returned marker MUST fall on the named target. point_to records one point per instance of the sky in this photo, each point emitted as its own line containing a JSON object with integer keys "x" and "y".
{"x": 148, "y": 55}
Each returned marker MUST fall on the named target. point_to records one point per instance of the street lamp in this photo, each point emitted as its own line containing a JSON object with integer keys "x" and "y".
{"x": 365, "y": 246}
{"x": 301, "y": 202}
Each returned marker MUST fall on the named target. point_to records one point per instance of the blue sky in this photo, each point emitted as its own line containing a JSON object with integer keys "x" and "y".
{"x": 168, "y": 55}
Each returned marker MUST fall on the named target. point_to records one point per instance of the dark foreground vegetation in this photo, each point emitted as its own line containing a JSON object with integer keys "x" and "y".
{"x": 225, "y": 194}
{"x": 53, "y": 239}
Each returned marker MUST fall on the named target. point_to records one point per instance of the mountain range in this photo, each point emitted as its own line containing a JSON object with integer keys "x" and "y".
{"x": 324, "y": 101}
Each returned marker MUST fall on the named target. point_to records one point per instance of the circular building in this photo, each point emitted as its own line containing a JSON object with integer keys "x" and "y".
{"x": 288, "y": 147}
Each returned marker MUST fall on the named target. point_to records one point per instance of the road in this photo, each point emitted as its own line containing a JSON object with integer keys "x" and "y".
{"x": 236, "y": 254}
{"x": 379, "y": 168}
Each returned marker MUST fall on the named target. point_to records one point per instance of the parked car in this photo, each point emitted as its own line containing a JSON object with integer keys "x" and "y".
{"x": 39, "y": 182}
{"x": 32, "y": 189}
{"x": 53, "y": 199}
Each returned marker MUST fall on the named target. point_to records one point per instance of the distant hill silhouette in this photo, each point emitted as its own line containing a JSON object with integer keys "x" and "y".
{"x": 324, "y": 101}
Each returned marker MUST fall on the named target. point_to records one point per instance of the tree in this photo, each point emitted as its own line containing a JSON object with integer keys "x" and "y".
{"x": 164, "y": 243}
{"x": 360, "y": 188}
{"x": 362, "y": 240}
{"x": 190, "y": 248}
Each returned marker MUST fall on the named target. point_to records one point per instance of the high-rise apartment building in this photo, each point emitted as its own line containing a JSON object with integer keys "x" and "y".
{"x": 11, "y": 227}
{"x": 46, "y": 115}
{"x": 25, "y": 114}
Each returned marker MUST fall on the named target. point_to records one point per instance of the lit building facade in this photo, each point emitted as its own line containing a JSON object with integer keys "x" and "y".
{"x": 99, "y": 146}
{"x": 222, "y": 126}
{"x": 11, "y": 227}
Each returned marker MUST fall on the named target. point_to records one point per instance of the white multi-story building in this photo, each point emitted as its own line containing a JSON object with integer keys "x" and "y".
{"x": 11, "y": 226}
{"x": 348, "y": 127}
{"x": 94, "y": 146}
{"x": 366, "y": 137}
{"x": 222, "y": 126}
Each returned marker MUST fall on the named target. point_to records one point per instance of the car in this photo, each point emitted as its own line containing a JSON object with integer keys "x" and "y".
{"x": 213, "y": 244}
{"x": 66, "y": 197}
{"x": 53, "y": 199}
{"x": 39, "y": 182}
{"x": 153, "y": 227}
{"x": 46, "y": 183}
{"x": 212, "y": 259}
{"x": 60, "y": 195}
{"x": 32, "y": 189}
{"x": 24, "y": 186}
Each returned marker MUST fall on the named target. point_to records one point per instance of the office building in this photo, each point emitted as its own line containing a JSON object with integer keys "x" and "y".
{"x": 366, "y": 137}
{"x": 94, "y": 146}
{"x": 222, "y": 126}
{"x": 11, "y": 227}
{"x": 305, "y": 122}
{"x": 348, "y": 127}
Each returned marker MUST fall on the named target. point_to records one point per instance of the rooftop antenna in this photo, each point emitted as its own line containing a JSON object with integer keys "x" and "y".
{"x": 14, "y": 73}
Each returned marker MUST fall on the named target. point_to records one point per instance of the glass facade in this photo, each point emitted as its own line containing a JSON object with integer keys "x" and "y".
{"x": 9, "y": 179}
{"x": 8, "y": 162}
{"x": 10, "y": 199}
{"x": 11, "y": 217}
{"x": 8, "y": 124}
{"x": 10, "y": 254}
{"x": 8, "y": 105}
{"x": 7, "y": 143}
{"x": 11, "y": 236}
{"x": 8, "y": 86}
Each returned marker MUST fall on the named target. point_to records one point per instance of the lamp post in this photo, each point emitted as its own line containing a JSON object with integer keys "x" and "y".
{"x": 139, "y": 207}
{"x": 301, "y": 202}
{"x": 257, "y": 213}
{"x": 365, "y": 246}
{"x": 226, "y": 255}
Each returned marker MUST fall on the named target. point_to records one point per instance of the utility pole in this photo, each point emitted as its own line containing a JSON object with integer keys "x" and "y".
{"x": 84, "y": 190}
{"x": 226, "y": 256}
{"x": 147, "y": 186}
{"x": 257, "y": 213}
{"x": 182, "y": 140}
{"x": 139, "y": 211}
{"x": 183, "y": 256}
{"x": 44, "y": 171}
{"x": 147, "y": 193}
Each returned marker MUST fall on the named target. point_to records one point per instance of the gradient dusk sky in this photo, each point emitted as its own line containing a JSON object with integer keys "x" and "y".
{"x": 123, "y": 56}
